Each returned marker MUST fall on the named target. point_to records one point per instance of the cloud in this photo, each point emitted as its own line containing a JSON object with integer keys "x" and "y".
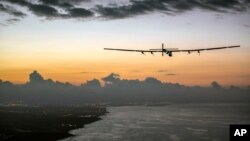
{"x": 118, "y": 9}
{"x": 166, "y": 72}
{"x": 170, "y": 74}
{"x": 113, "y": 77}
{"x": 162, "y": 71}
{"x": 92, "y": 84}
{"x": 55, "y": 2}
{"x": 171, "y": 7}
{"x": 43, "y": 10}
{"x": 51, "y": 9}
{"x": 80, "y": 12}
{"x": 246, "y": 25}
{"x": 152, "y": 80}
{"x": 135, "y": 8}
{"x": 87, "y": 72}
{"x": 35, "y": 77}
{"x": 135, "y": 71}
{"x": 215, "y": 84}
{"x": 40, "y": 91}
{"x": 12, "y": 11}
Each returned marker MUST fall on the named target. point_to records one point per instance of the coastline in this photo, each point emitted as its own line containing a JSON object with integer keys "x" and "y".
{"x": 45, "y": 123}
{"x": 189, "y": 121}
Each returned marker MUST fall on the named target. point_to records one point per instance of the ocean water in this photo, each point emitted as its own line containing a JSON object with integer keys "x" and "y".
{"x": 175, "y": 122}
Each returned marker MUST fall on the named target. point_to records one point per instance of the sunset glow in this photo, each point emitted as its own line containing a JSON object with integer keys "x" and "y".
{"x": 72, "y": 50}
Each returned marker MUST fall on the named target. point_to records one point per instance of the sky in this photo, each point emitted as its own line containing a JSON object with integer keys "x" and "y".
{"x": 64, "y": 40}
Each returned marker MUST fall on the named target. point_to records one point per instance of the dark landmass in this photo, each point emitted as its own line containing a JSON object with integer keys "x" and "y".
{"x": 46, "y": 123}
{"x": 54, "y": 122}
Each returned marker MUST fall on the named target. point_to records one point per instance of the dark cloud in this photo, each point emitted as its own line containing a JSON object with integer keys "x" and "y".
{"x": 162, "y": 71}
{"x": 135, "y": 8}
{"x": 44, "y": 10}
{"x": 170, "y": 74}
{"x": 166, "y": 72}
{"x": 152, "y": 80}
{"x": 234, "y": 87}
{"x": 49, "y": 8}
{"x": 115, "y": 90}
{"x": 75, "y": 8}
{"x": 171, "y": 7}
{"x": 246, "y": 25}
{"x": 12, "y": 20}
{"x": 224, "y": 5}
{"x": 19, "y": 2}
{"x": 59, "y": 3}
{"x": 215, "y": 84}
{"x": 37, "y": 9}
{"x": 136, "y": 71}
{"x": 75, "y": 1}
{"x": 50, "y": 1}
{"x": 80, "y": 12}
{"x": 64, "y": 3}
{"x": 10, "y": 10}
{"x": 92, "y": 84}
{"x": 88, "y": 72}
{"x": 35, "y": 77}
{"x": 113, "y": 77}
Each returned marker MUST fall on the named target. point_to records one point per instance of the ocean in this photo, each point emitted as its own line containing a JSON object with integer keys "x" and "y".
{"x": 174, "y": 122}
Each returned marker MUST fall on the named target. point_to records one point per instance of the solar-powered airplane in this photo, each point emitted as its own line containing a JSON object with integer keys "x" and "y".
{"x": 170, "y": 51}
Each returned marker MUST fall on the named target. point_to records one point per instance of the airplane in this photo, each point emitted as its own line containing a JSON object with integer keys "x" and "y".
{"x": 170, "y": 51}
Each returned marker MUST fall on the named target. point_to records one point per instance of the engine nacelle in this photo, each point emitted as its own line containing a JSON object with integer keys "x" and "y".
{"x": 170, "y": 54}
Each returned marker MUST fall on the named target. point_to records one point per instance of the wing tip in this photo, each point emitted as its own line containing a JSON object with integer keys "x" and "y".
{"x": 234, "y": 46}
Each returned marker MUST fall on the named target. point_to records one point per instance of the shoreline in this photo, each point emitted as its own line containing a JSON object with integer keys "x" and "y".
{"x": 45, "y": 123}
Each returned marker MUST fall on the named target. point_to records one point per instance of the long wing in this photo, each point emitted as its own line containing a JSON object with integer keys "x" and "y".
{"x": 203, "y": 49}
{"x": 117, "y": 49}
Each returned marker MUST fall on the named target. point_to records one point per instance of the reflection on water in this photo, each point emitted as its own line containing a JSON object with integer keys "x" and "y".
{"x": 177, "y": 122}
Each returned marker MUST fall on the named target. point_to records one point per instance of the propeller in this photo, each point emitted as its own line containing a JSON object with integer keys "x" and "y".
{"x": 152, "y": 53}
{"x": 162, "y": 47}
